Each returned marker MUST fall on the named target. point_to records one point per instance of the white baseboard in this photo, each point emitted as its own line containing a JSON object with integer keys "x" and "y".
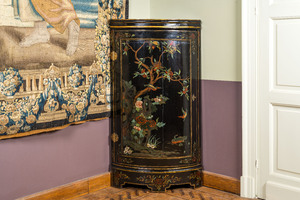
{"x": 247, "y": 187}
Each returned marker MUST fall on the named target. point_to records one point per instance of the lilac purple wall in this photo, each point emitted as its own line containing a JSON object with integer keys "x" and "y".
{"x": 32, "y": 164}
{"x": 222, "y": 127}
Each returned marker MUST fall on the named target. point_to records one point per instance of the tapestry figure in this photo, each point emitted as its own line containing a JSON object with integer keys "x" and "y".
{"x": 60, "y": 14}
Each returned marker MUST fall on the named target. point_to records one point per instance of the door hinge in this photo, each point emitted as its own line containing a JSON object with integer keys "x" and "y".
{"x": 256, "y": 164}
{"x": 255, "y": 11}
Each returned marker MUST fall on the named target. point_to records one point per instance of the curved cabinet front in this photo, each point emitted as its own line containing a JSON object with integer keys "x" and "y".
{"x": 156, "y": 108}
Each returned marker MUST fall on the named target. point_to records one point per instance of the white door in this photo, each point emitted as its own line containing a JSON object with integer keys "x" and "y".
{"x": 278, "y": 99}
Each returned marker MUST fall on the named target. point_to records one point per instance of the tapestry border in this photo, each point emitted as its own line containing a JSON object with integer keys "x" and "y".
{"x": 47, "y": 130}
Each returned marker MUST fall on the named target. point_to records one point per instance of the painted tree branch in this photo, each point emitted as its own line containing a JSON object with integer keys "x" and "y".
{"x": 151, "y": 59}
{"x": 140, "y": 93}
{"x": 154, "y": 77}
{"x": 136, "y": 56}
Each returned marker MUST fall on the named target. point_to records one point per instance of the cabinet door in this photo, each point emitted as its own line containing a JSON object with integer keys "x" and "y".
{"x": 157, "y": 74}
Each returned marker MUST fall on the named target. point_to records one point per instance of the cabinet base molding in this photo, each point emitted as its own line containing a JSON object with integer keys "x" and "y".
{"x": 74, "y": 189}
{"x": 157, "y": 180}
{"x": 221, "y": 182}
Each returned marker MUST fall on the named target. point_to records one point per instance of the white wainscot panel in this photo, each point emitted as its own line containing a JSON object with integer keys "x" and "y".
{"x": 288, "y": 140}
{"x": 287, "y": 41}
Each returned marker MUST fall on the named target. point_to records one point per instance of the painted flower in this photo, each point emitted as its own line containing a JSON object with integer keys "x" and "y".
{"x": 170, "y": 73}
{"x": 172, "y": 43}
{"x": 152, "y": 123}
{"x": 157, "y": 100}
{"x": 152, "y": 146}
{"x": 127, "y": 150}
{"x": 30, "y": 119}
{"x": 139, "y": 104}
{"x": 185, "y": 90}
{"x": 156, "y": 67}
{"x": 137, "y": 128}
{"x": 141, "y": 120}
{"x": 3, "y": 120}
{"x": 26, "y": 128}
{"x": 3, "y": 129}
{"x": 10, "y": 108}
{"x": 13, "y": 130}
{"x": 16, "y": 116}
{"x": 80, "y": 106}
{"x": 143, "y": 71}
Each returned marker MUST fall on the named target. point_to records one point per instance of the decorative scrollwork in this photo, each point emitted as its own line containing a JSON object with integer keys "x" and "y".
{"x": 159, "y": 182}
{"x": 197, "y": 176}
{"x": 119, "y": 176}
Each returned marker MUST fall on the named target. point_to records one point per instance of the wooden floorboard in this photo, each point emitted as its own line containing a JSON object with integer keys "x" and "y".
{"x": 98, "y": 187}
{"x": 202, "y": 193}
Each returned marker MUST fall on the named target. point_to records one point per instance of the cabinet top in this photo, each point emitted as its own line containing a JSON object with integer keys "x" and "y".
{"x": 155, "y": 23}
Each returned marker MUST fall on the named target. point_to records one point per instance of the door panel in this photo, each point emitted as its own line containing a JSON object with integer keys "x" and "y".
{"x": 287, "y": 47}
{"x": 288, "y": 140}
{"x": 279, "y": 99}
{"x": 276, "y": 191}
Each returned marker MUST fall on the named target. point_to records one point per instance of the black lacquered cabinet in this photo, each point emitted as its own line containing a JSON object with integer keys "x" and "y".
{"x": 156, "y": 107}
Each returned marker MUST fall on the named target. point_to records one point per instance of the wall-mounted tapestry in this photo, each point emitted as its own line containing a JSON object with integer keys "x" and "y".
{"x": 54, "y": 63}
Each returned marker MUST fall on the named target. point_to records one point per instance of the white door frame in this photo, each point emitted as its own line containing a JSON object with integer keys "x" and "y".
{"x": 249, "y": 97}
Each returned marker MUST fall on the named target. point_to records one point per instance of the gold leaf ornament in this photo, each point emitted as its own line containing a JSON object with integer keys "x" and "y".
{"x": 114, "y": 137}
{"x": 113, "y": 56}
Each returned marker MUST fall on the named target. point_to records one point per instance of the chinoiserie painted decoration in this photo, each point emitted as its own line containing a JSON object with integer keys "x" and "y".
{"x": 54, "y": 63}
{"x": 156, "y": 103}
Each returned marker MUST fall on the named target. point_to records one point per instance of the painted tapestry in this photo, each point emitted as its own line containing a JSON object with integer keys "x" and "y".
{"x": 54, "y": 63}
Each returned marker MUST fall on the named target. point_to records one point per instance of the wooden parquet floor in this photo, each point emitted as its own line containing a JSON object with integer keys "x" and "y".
{"x": 202, "y": 193}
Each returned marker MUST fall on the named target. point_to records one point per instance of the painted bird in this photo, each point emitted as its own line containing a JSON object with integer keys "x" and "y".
{"x": 184, "y": 114}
